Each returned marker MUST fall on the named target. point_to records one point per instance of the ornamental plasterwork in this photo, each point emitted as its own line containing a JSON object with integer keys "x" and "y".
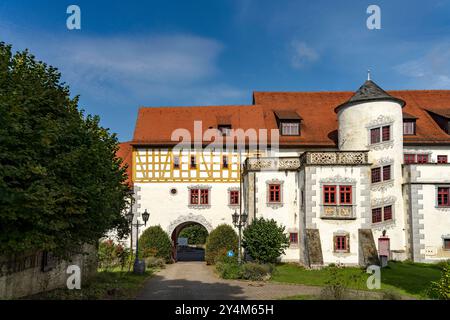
{"x": 381, "y": 120}
{"x": 199, "y": 206}
{"x": 382, "y": 186}
{"x": 381, "y": 145}
{"x": 200, "y": 186}
{"x": 385, "y": 160}
{"x": 274, "y": 164}
{"x": 378, "y": 202}
{"x": 384, "y": 225}
{"x": 443, "y": 208}
{"x": 338, "y": 157}
{"x": 189, "y": 218}
{"x": 275, "y": 205}
{"x": 338, "y": 179}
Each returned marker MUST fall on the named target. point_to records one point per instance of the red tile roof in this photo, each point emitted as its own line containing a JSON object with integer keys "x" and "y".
{"x": 319, "y": 125}
{"x": 125, "y": 152}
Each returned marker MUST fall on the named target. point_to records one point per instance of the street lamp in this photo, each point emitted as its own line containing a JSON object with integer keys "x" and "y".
{"x": 239, "y": 221}
{"x": 139, "y": 266}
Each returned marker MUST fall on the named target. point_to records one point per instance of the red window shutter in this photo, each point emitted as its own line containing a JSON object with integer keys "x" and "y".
{"x": 376, "y": 215}
{"x": 293, "y": 238}
{"x": 386, "y": 133}
{"x": 194, "y": 196}
{"x": 422, "y": 158}
{"x": 386, "y": 173}
{"x": 376, "y": 175}
{"x": 409, "y": 158}
{"x": 374, "y": 135}
{"x": 442, "y": 159}
{"x": 234, "y": 197}
{"x": 387, "y": 213}
{"x": 443, "y": 197}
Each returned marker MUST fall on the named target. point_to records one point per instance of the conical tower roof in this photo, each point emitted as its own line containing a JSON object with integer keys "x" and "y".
{"x": 369, "y": 92}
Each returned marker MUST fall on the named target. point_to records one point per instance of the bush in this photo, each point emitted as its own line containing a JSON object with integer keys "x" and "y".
{"x": 441, "y": 289}
{"x": 256, "y": 271}
{"x": 264, "y": 240}
{"x": 111, "y": 255}
{"x": 154, "y": 242}
{"x": 195, "y": 234}
{"x": 219, "y": 242}
{"x": 228, "y": 268}
{"x": 336, "y": 287}
{"x": 154, "y": 262}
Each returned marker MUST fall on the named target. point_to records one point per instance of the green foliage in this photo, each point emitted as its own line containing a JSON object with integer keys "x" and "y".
{"x": 196, "y": 234}
{"x": 256, "y": 271}
{"x": 219, "y": 242}
{"x": 336, "y": 285}
{"x": 264, "y": 240}
{"x": 61, "y": 184}
{"x": 441, "y": 289}
{"x": 155, "y": 263}
{"x": 154, "y": 242}
{"x": 228, "y": 268}
{"x": 112, "y": 255}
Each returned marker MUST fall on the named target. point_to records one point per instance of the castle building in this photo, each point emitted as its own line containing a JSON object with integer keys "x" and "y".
{"x": 351, "y": 176}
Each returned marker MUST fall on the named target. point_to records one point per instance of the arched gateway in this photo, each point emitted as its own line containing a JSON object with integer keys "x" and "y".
{"x": 182, "y": 222}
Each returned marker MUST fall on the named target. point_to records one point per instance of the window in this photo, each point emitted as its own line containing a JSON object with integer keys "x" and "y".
{"x": 225, "y": 129}
{"x": 446, "y": 244}
{"x": 374, "y": 135}
{"x": 194, "y": 196}
{"x": 329, "y": 194}
{"x": 345, "y": 193}
{"x": 204, "y": 196}
{"x": 443, "y": 197}
{"x": 199, "y": 196}
{"x": 290, "y": 128}
{"x": 386, "y": 133}
{"x": 422, "y": 158}
{"x": 193, "y": 162}
{"x": 409, "y": 127}
{"x": 341, "y": 243}
{"x": 376, "y": 175}
{"x": 224, "y": 162}
{"x": 381, "y": 214}
{"x": 377, "y": 215}
{"x": 274, "y": 193}
{"x": 442, "y": 159}
{"x": 293, "y": 238}
{"x": 234, "y": 197}
{"x": 409, "y": 158}
{"x": 386, "y": 173}
{"x": 176, "y": 162}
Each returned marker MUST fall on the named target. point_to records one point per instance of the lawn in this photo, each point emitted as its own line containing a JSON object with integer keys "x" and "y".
{"x": 112, "y": 284}
{"x": 404, "y": 278}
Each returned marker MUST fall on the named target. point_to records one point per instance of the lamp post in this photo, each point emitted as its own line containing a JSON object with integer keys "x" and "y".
{"x": 239, "y": 221}
{"x": 139, "y": 266}
{"x": 131, "y": 196}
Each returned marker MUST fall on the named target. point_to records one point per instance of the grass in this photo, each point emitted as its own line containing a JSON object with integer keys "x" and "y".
{"x": 405, "y": 278}
{"x": 300, "y": 297}
{"x": 106, "y": 285}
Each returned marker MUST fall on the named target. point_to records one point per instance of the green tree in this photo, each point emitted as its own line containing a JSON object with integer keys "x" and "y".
{"x": 195, "y": 234}
{"x": 155, "y": 242}
{"x": 61, "y": 184}
{"x": 264, "y": 240}
{"x": 441, "y": 289}
{"x": 220, "y": 240}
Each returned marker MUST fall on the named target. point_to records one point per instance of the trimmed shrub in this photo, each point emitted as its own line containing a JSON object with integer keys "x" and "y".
{"x": 195, "y": 234}
{"x": 154, "y": 262}
{"x": 264, "y": 240}
{"x": 255, "y": 271}
{"x": 219, "y": 242}
{"x": 228, "y": 268}
{"x": 154, "y": 242}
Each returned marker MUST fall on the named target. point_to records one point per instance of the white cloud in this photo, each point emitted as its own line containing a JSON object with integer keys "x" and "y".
{"x": 302, "y": 54}
{"x": 432, "y": 70}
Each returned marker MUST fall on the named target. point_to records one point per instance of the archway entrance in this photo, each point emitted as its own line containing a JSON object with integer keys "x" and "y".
{"x": 188, "y": 240}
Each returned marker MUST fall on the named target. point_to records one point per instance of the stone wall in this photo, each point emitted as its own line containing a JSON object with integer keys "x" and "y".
{"x": 32, "y": 273}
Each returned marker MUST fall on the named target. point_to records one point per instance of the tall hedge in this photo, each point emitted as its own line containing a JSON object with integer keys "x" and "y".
{"x": 219, "y": 242}
{"x": 195, "y": 234}
{"x": 155, "y": 242}
{"x": 264, "y": 240}
{"x": 61, "y": 184}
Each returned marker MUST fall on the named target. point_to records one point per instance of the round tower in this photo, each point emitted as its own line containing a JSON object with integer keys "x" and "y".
{"x": 372, "y": 120}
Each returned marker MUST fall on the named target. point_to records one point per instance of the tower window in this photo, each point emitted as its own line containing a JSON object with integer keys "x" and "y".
{"x": 376, "y": 175}
{"x": 380, "y": 134}
{"x": 374, "y": 135}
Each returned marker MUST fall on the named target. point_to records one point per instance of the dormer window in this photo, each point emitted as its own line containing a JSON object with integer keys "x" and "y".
{"x": 409, "y": 124}
{"x": 288, "y": 122}
{"x": 225, "y": 129}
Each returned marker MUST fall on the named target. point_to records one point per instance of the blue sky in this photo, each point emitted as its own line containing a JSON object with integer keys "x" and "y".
{"x": 194, "y": 52}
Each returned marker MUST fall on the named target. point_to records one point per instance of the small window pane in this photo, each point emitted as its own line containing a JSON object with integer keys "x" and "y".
{"x": 374, "y": 135}
{"x": 376, "y": 175}
{"x": 386, "y": 133}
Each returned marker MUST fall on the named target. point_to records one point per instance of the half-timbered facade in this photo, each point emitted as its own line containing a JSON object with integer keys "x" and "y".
{"x": 351, "y": 176}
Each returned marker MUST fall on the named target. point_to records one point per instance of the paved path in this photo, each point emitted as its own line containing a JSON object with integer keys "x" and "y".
{"x": 197, "y": 281}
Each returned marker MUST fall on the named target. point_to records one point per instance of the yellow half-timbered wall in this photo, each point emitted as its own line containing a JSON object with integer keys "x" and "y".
{"x": 157, "y": 165}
